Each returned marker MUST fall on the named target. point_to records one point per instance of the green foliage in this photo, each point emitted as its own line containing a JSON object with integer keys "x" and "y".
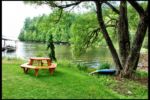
{"x": 36, "y": 29}
{"x": 21, "y": 36}
{"x": 141, "y": 74}
{"x": 81, "y": 31}
{"x": 39, "y": 54}
{"x": 104, "y": 66}
{"x": 82, "y": 67}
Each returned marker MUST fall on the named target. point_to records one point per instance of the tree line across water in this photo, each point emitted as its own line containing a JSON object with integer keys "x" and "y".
{"x": 75, "y": 28}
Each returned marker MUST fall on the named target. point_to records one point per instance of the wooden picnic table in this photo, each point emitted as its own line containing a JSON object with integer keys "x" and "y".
{"x": 39, "y": 60}
{"x": 26, "y": 66}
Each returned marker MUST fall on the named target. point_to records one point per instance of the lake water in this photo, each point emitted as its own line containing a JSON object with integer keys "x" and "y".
{"x": 92, "y": 58}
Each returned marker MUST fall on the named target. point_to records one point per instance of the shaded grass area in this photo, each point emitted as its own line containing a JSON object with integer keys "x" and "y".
{"x": 67, "y": 82}
{"x": 141, "y": 74}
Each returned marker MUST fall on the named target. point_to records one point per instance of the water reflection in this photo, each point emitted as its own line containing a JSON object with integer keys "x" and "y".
{"x": 92, "y": 58}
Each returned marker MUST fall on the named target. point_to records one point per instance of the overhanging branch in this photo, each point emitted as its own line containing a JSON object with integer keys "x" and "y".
{"x": 61, "y": 7}
{"x": 112, "y": 20}
{"x": 112, "y": 7}
{"x": 64, "y": 6}
{"x": 91, "y": 37}
{"x": 60, "y": 15}
{"x": 137, "y": 7}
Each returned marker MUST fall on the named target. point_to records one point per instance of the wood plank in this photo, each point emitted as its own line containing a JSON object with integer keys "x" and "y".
{"x": 26, "y": 65}
{"x": 39, "y": 58}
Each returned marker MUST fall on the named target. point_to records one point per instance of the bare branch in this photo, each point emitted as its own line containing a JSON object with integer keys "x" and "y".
{"x": 61, "y": 7}
{"x": 60, "y": 15}
{"x": 91, "y": 37}
{"x": 111, "y": 25}
{"x": 112, "y": 7}
{"x": 64, "y": 6}
{"x": 137, "y": 7}
{"x": 72, "y": 7}
{"x": 111, "y": 19}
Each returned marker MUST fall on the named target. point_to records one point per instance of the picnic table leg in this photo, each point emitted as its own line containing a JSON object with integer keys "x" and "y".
{"x": 51, "y": 70}
{"x": 25, "y": 69}
{"x": 36, "y": 72}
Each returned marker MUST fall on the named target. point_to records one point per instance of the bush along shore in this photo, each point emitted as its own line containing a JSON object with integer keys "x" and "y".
{"x": 69, "y": 81}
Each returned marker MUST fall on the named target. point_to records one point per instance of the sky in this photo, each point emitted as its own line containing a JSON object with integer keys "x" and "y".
{"x": 14, "y": 14}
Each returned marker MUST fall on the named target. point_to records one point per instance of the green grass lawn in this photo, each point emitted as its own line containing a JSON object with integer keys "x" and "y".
{"x": 67, "y": 82}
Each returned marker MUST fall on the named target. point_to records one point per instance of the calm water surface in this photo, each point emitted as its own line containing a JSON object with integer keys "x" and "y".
{"x": 92, "y": 58}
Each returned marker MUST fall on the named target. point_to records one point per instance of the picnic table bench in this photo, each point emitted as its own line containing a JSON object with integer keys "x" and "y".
{"x": 50, "y": 66}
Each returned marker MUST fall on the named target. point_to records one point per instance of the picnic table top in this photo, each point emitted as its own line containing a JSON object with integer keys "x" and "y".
{"x": 39, "y": 58}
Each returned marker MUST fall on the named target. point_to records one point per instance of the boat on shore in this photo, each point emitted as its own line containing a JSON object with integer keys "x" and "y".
{"x": 10, "y": 48}
{"x": 3, "y": 48}
{"x": 104, "y": 71}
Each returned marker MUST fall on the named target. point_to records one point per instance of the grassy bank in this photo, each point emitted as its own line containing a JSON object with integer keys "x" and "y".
{"x": 69, "y": 81}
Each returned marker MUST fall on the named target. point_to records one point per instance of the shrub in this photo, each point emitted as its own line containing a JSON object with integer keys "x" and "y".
{"x": 39, "y": 54}
{"x": 104, "y": 66}
{"x": 82, "y": 67}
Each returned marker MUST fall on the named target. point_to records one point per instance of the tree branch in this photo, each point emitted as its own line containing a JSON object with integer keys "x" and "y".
{"x": 111, "y": 19}
{"x": 64, "y": 6}
{"x": 72, "y": 7}
{"x": 137, "y": 7}
{"x": 91, "y": 37}
{"x": 111, "y": 25}
{"x": 112, "y": 7}
{"x": 60, "y": 15}
{"x": 61, "y": 7}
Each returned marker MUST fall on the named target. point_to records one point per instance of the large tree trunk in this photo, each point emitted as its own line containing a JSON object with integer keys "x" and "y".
{"x": 136, "y": 47}
{"x": 131, "y": 62}
{"x": 106, "y": 36}
{"x": 123, "y": 33}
